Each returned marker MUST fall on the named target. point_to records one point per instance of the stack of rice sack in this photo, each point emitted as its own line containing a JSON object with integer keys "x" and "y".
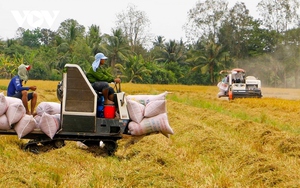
{"x": 13, "y": 116}
{"x": 148, "y": 114}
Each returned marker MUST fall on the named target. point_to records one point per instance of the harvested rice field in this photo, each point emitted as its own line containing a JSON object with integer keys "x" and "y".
{"x": 216, "y": 143}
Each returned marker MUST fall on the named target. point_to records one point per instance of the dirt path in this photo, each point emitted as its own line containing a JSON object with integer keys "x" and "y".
{"x": 293, "y": 94}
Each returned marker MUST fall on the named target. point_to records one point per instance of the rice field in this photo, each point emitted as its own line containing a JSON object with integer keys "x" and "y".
{"x": 217, "y": 143}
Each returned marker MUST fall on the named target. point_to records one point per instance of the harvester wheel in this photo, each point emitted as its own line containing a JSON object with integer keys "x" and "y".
{"x": 111, "y": 147}
{"x": 33, "y": 148}
{"x": 59, "y": 143}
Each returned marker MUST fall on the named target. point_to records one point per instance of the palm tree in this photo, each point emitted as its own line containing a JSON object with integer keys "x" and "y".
{"x": 115, "y": 47}
{"x": 7, "y": 67}
{"x": 70, "y": 29}
{"x": 94, "y": 38}
{"x": 172, "y": 52}
{"x": 159, "y": 42}
{"x": 134, "y": 69}
{"x": 210, "y": 60}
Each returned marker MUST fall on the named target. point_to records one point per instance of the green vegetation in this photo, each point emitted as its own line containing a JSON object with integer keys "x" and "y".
{"x": 218, "y": 38}
{"x": 3, "y": 87}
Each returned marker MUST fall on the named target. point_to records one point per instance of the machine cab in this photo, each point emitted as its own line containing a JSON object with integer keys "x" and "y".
{"x": 79, "y": 106}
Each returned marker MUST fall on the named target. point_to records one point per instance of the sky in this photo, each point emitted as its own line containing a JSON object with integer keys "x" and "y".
{"x": 166, "y": 16}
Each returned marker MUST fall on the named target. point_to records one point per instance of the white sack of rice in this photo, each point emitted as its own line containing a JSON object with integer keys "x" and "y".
{"x": 4, "y": 125}
{"x": 3, "y": 104}
{"x": 15, "y": 112}
{"x": 51, "y": 108}
{"x": 49, "y": 124}
{"x": 157, "y": 123}
{"x": 135, "y": 110}
{"x": 155, "y": 108}
{"x": 26, "y": 125}
{"x": 145, "y": 99}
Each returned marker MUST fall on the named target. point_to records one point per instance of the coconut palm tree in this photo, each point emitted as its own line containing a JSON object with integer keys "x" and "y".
{"x": 172, "y": 51}
{"x": 115, "y": 47}
{"x": 70, "y": 29}
{"x": 94, "y": 38}
{"x": 134, "y": 69}
{"x": 209, "y": 60}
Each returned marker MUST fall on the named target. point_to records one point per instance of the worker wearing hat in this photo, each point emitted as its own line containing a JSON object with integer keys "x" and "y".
{"x": 16, "y": 89}
{"x": 99, "y": 77}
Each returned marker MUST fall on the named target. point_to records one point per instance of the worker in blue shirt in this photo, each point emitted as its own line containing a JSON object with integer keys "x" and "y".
{"x": 16, "y": 89}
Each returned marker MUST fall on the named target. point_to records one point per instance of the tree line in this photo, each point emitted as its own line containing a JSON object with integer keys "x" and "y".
{"x": 218, "y": 38}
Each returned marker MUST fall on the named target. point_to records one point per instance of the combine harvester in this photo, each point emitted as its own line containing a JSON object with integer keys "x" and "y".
{"x": 236, "y": 85}
{"x": 79, "y": 118}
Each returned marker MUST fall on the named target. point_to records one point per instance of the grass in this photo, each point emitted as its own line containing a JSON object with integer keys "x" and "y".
{"x": 217, "y": 143}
